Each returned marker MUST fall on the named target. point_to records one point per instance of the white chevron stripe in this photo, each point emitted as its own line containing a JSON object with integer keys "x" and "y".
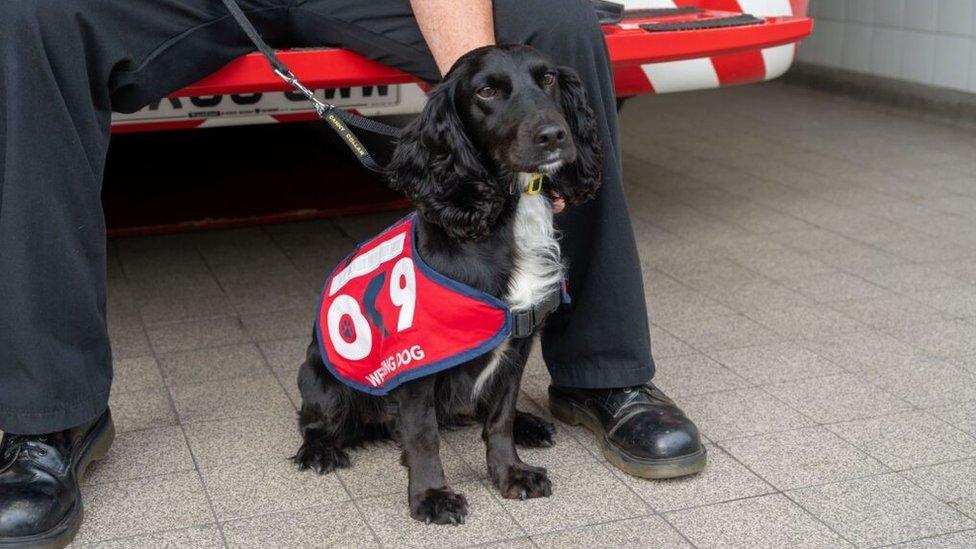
{"x": 778, "y": 60}
{"x": 636, "y": 4}
{"x": 761, "y": 8}
{"x": 676, "y": 76}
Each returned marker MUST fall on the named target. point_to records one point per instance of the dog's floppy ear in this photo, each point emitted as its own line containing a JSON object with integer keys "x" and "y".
{"x": 438, "y": 168}
{"x": 588, "y": 168}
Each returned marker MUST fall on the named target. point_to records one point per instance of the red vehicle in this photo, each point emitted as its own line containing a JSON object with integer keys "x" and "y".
{"x": 660, "y": 46}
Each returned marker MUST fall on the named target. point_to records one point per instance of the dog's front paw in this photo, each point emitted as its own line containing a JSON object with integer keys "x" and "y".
{"x": 320, "y": 458}
{"x": 440, "y": 506}
{"x": 521, "y": 481}
{"x": 532, "y": 431}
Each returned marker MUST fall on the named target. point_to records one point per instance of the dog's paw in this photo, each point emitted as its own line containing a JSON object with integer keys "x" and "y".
{"x": 440, "y": 506}
{"x": 320, "y": 458}
{"x": 532, "y": 431}
{"x": 521, "y": 481}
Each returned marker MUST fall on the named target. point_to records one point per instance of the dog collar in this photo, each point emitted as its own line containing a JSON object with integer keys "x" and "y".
{"x": 535, "y": 183}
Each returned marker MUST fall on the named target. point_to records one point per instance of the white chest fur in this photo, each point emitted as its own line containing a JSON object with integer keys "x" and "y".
{"x": 537, "y": 268}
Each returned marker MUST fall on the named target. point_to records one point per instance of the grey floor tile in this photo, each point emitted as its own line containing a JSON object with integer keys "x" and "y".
{"x": 803, "y": 457}
{"x": 197, "y": 537}
{"x": 146, "y": 453}
{"x": 865, "y": 353}
{"x": 898, "y": 312}
{"x": 723, "y": 479}
{"x": 135, "y": 374}
{"x": 776, "y": 362}
{"x": 263, "y": 438}
{"x": 213, "y": 364}
{"x": 836, "y": 398}
{"x": 957, "y": 301}
{"x": 622, "y": 534}
{"x": 389, "y": 517}
{"x": 289, "y": 323}
{"x": 906, "y": 440}
{"x": 693, "y": 375}
{"x": 962, "y": 269}
{"x": 762, "y": 294}
{"x": 807, "y": 322}
{"x": 810, "y": 239}
{"x": 962, "y": 415}
{"x": 904, "y": 277}
{"x": 925, "y": 248}
{"x": 285, "y": 354}
{"x": 235, "y": 397}
{"x": 950, "y": 339}
{"x": 143, "y": 506}
{"x": 967, "y": 363}
{"x": 741, "y": 413}
{"x": 656, "y": 283}
{"x": 326, "y": 525}
{"x": 142, "y": 409}
{"x": 855, "y": 258}
{"x": 959, "y": 540}
{"x": 254, "y": 488}
{"x": 837, "y": 286}
{"x": 581, "y": 494}
{"x": 724, "y": 332}
{"x": 175, "y": 288}
{"x": 664, "y": 344}
{"x": 685, "y": 306}
{"x": 295, "y": 294}
{"x": 185, "y": 336}
{"x": 785, "y": 264}
{"x": 880, "y": 510}
{"x": 927, "y": 382}
{"x": 289, "y": 381}
{"x": 162, "y": 264}
{"x": 952, "y": 483}
{"x": 765, "y": 522}
{"x": 170, "y": 308}
{"x": 128, "y": 340}
{"x": 376, "y": 470}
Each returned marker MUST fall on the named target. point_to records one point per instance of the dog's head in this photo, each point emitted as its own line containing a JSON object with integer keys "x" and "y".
{"x": 500, "y": 110}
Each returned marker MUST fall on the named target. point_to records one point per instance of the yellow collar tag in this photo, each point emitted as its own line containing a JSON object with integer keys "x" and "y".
{"x": 535, "y": 183}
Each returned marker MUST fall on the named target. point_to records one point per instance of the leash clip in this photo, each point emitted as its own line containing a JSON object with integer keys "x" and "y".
{"x": 293, "y": 81}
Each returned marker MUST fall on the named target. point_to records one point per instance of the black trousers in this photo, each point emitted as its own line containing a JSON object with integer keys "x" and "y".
{"x": 65, "y": 65}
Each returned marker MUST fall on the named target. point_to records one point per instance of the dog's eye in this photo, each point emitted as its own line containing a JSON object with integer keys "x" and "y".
{"x": 548, "y": 79}
{"x": 487, "y": 92}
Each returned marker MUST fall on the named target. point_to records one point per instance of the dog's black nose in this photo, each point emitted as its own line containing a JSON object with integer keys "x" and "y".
{"x": 550, "y": 137}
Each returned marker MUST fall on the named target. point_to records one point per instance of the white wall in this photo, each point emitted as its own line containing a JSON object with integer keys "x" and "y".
{"x": 924, "y": 41}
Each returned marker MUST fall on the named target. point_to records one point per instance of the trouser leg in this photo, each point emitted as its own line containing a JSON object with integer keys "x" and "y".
{"x": 602, "y": 339}
{"x": 64, "y": 65}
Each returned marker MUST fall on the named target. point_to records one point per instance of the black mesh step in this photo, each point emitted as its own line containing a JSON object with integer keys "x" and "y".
{"x": 720, "y": 22}
{"x": 661, "y": 12}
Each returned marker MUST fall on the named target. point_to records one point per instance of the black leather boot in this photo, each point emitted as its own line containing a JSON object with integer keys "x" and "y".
{"x": 639, "y": 429}
{"x": 40, "y": 502}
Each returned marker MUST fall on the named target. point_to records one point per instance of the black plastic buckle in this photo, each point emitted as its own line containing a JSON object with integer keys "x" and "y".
{"x": 523, "y": 323}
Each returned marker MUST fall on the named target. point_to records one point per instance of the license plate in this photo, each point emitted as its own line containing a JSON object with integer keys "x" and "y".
{"x": 238, "y": 108}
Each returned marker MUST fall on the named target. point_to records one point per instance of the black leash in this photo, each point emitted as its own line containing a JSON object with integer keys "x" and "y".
{"x": 338, "y": 119}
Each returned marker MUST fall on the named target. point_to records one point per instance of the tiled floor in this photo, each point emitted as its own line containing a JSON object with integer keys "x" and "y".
{"x": 811, "y": 269}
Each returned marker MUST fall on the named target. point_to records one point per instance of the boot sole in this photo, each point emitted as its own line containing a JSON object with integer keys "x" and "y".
{"x": 680, "y": 466}
{"x": 99, "y": 441}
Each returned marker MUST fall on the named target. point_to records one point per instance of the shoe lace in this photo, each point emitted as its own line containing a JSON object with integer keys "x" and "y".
{"x": 17, "y": 446}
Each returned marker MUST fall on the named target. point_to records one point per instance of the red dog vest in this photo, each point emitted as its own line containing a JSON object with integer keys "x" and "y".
{"x": 386, "y": 317}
